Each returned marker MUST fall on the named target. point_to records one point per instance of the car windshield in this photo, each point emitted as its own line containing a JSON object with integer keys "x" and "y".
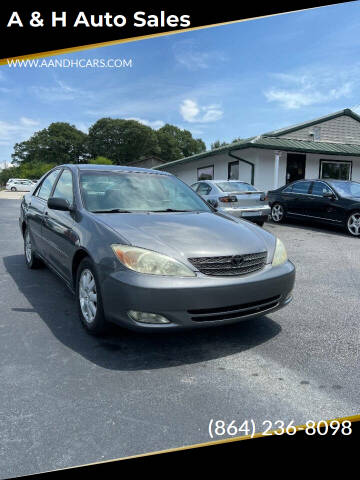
{"x": 347, "y": 189}
{"x": 236, "y": 187}
{"x": 136, "y": 191}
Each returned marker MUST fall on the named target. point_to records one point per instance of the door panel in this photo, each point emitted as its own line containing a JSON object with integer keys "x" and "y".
{"x": 298, "y": 200}
{"x": 34, "y": 218}
{"x": 60, "y": 239}
{"x": 58, "y": 228}
{"x": 325, "y": 208}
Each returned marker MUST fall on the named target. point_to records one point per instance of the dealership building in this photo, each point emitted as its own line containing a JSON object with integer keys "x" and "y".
{"x": 327, "y": 147}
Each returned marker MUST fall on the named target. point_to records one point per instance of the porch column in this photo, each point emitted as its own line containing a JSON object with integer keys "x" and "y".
{"x": 276, "y": 169}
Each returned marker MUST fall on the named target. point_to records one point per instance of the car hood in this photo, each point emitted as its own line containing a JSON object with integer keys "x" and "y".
{"x": 190, "y": 234}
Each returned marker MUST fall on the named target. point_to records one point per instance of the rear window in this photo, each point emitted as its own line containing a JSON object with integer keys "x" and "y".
{"x": 236, "y": 187}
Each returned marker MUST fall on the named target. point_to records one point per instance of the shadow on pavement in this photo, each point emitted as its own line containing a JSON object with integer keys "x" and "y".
{"x": 122, "y": 349}
{"x": 312, "y": 226}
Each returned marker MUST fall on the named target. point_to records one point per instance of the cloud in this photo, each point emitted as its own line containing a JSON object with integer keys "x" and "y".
{"x": 297, "y": 90}
{"x": 11, "y": 132}
{"x": 58, "y": 92}
{"x": 28, "y": 122}
{"x": 149, "y": 123}
{"x": 193, "y": 113}
{"x": 82, "y": 126}
{"x": 188, "y": 55}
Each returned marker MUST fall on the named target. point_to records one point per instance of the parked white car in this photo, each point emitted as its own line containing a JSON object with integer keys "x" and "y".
{"x": 20, "y": 185}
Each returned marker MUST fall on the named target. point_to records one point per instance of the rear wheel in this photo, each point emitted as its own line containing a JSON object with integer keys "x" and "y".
{"x": 13, "y": 189}
{"x": 353, "y": 224}
{"x": 32, "y": 261}
{"x": 277, "y": 213}
{"x": 88, "y": 297}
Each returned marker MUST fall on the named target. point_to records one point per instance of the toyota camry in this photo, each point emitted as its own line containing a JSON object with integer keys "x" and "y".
{"x": 140, "y": 248}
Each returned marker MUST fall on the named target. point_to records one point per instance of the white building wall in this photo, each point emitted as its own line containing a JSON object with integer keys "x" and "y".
{"x": 264, "y": 161}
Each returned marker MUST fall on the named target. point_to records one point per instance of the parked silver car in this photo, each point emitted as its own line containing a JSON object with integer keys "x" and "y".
{"x": 236, "y": 198}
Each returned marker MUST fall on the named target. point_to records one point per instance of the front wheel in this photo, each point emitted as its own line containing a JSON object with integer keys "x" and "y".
{"x": 353, "y": 224}
{"x": 13, "y": 189}
{"x": 277, "y": 213}
{"x": 88, "y": 297}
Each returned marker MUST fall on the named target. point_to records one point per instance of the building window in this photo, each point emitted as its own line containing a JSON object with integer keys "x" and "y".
{"x": 233, "y": 170}
{"x": 205, "y": 173}
{"x": 336, "y": 169}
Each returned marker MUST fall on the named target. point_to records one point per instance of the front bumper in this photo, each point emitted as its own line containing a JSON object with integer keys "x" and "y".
{"x": 196, "y": 302}
{"x": 254, "y": 214}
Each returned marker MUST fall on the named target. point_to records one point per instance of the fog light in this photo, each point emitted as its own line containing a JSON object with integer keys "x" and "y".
{"x": 144, "y": 317}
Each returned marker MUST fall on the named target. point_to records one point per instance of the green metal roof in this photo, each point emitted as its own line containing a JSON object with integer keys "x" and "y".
{"x": 274, "y": 143}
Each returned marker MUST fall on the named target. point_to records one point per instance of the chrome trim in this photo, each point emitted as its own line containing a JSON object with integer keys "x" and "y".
{"x": 312, "y": 216}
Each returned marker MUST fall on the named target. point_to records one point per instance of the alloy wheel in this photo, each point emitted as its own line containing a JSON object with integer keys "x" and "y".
{"x": 277, "y": 213}
{"x": 28, "y": 248}
{"x": 88, "y": 295}
{"x": 353, "y": 224}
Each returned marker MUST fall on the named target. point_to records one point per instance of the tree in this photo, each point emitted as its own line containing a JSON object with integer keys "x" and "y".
{"x": 176, "y": 143}
{"x": 29, "y": 170}
{"x": 237, "y": 140}
{"x": 100, "y": 161}
{"x": 218, "y": 144}
{"x": 59, "y": 143}
{"x": 122, "y": 141}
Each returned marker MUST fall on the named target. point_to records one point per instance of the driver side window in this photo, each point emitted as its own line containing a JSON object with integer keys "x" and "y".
{"x": 64, "y": 187}
{"x": 45, "y": 188}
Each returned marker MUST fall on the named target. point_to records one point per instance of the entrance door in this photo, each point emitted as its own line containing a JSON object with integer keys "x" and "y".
{"x": 295, "y": 167}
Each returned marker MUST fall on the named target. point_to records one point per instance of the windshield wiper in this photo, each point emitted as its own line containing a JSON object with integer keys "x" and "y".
{"x": 170, "y": 210}
{"x": 112, "y": 210}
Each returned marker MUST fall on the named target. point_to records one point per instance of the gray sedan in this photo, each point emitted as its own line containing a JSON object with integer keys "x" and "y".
{"x": 236, "y": 198}
{"x": 140, "y": 248}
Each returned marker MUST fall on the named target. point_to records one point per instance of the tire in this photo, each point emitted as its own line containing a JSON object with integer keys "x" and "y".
{"x": 31, "y": 260}
{"x": 13, "y": 189}
{"x": 277, "y": 213}
{"x": 88, "y": 299}
{"x": 353, "y": 224}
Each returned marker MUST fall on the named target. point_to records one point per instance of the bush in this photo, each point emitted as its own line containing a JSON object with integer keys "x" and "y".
{"x": 26, "y": 170}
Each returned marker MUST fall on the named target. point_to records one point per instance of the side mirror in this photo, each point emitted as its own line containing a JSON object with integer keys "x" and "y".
{"x": 56, "y": 203}
{"x": 329, "y": 195}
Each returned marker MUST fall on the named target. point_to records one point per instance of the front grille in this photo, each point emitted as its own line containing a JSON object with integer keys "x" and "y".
{"x": 231, "y": 265}
{"x": 234, "y": 311}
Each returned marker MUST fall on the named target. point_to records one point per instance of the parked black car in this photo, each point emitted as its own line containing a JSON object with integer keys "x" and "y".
{"x": 335, "y": 202}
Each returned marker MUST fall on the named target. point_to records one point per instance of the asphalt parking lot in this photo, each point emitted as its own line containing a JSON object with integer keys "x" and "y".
{"x": 67, "y": 398}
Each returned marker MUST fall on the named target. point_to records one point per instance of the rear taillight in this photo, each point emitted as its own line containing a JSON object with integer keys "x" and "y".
{"x": 228, "y": 199}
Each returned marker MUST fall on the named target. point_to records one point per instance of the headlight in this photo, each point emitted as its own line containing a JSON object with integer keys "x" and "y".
{"x": 280, "y": 255}
{"x": 147, "y": 261}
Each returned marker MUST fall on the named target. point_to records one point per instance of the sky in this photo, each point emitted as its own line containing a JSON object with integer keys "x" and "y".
{"x": 220, "y": 83}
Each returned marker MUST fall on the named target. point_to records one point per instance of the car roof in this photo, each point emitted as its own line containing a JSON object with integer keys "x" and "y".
{"x": 111, "y": 168}
{"x": 218, "y": 181}
{"x": 322, "y": 180}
